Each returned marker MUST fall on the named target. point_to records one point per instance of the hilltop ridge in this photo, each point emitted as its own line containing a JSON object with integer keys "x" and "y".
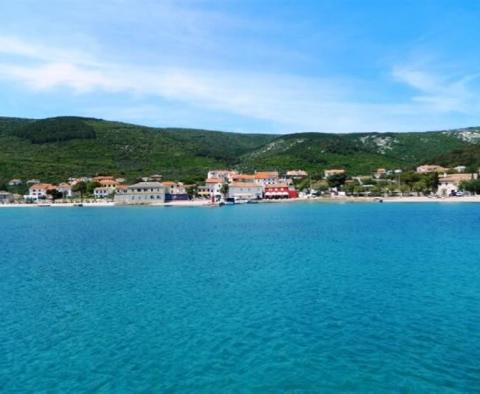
{"x": 53, "y": 149}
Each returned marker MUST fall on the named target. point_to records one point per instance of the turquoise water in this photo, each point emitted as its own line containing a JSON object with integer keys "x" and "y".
{"x": 254, "y": 298}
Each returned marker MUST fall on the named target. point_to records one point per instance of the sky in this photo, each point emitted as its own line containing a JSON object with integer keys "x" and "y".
{"x": 245, "y": 65}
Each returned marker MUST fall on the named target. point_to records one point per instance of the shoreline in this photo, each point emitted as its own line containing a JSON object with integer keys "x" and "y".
{"x": 208, "y": 204}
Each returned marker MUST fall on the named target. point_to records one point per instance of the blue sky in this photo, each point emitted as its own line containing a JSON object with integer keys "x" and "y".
{"x": 245, "y": 65}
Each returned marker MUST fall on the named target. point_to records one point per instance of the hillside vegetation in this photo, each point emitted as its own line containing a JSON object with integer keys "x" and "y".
{"x": 54, "y": 130}
{"x": 54, "y": 149}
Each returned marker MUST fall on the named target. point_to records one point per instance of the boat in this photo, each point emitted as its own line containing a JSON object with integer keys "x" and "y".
{"x": 44, "y": 205}
{"x": 230, "y": 201}
{"x": 252, "y": 202}
{"x": 78, "y": 205}
{"x": 240, "y": 201}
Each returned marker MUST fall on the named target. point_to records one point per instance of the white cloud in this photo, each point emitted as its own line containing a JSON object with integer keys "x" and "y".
{"x": 439, "y": 92}
{"x": 291, "y": 102}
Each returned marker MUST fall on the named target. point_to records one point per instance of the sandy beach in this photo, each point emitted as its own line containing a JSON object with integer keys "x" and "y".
{"x": 207, "y": 203}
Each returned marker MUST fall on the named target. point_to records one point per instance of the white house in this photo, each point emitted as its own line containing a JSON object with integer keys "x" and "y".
{"x": 141, "y": 193}
{"x": 175, "y": 191}
{"x": 39, "y": 191}
{"x": 65, "y": 189}
{"x": 448, "y": 185}
{"x": 213, "y": 187}
{"x": 245, "y": 191}
{"x": 223, "y": 175}
{"x": 103, "y": 192}
{"x": 266, "y": 177}
{"x": 174, "y": 187}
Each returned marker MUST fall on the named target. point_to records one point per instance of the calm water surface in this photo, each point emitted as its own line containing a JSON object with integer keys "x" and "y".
{"x": 265, "y": 298}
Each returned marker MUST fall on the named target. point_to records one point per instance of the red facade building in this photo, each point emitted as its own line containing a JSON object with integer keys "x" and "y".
{"x": 280, "y": 190}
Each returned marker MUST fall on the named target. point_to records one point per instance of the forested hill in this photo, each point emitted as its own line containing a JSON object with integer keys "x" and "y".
{"x": 55, "y": 148}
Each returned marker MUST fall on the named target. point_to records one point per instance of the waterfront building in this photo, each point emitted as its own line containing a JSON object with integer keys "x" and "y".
{"x": 65, "y": 189}
{"x": 39, "y": 191}
{"x": 212, "y": 187}
{"x": 460, "y": 169}
{"x": 121, "y": 188}
{"x": 175, "y": 191}
{"x": 103, "y": 192}
{"x": 448, "y": 185}
{"x": 280, "y": 191}
{"x": 245, "y": 191}
{"x": 266, "y": 177}
{"x": 141, "y": 193}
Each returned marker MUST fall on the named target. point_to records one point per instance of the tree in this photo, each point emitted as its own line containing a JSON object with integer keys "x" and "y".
{"x": 432, "y": 181}
{"x": 404, "y": 189}
{"x": 55, "y": 194}
{"x": 224, "y": 189}
{"x": 80, "y": 187}
{"x": 90, "y": 187}
{"x": 472, "y": 186}
{"x": 336, "y": 180}
{"x": 420, "y": 187}
{"x": 191, "y": 191}
{"x": 410, "y": 178}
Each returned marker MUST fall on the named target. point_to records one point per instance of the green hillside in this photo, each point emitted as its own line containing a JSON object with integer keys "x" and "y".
{"x": 54, "y": 149}
{"x": 360, "y": 153}
{"x": 37, "y": 149}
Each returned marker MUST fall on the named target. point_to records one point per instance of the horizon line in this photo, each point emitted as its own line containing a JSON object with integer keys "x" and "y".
{"x": 180, "y": 128}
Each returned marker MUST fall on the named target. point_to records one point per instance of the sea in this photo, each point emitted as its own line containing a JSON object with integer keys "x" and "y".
{"x": 261, "y": 298}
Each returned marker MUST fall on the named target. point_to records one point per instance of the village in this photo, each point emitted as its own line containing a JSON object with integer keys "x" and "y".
{"x": 228, "y": 187}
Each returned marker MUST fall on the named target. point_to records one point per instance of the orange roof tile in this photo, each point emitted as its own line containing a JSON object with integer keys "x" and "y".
{"x": 42, "y": 186}
{"x": 243, "y": 176}
{"x": 213, "y": 180}
{"x": 266, "y": 174}
{"x": 244, "y": 184}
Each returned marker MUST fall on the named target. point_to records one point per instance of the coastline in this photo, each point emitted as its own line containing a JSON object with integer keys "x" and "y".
{"x": 208, "y": 204}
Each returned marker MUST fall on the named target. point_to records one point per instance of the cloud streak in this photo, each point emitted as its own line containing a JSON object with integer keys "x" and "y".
{"x": 287, "y": 101}
{"x": 439, "y": 93}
